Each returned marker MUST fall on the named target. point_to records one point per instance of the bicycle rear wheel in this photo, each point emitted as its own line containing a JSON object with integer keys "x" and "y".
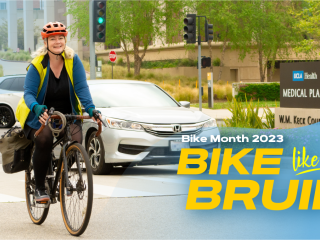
{"x": 76, "y": 205}
{"x": 37, "y": 212}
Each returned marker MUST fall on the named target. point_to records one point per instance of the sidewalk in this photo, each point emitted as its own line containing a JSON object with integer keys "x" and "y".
{"x": 220, "y": 114}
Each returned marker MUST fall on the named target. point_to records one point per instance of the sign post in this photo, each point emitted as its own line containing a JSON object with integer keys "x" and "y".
{"x": 99, "y": 69}
{"x": 113, "y": 58}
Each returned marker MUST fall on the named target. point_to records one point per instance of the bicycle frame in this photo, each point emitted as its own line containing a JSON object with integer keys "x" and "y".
{"x": 66, "y": 139}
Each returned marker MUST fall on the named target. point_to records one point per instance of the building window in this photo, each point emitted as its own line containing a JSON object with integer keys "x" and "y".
{"x": 41, "y": 5}
{"x": 3, "y": 6}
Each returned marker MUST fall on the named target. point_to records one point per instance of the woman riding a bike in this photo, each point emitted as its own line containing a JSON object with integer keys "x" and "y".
{"x": 56, "y": 78}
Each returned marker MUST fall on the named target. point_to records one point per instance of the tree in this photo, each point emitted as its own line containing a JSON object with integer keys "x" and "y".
{"x": 225, "y": 19}
{"x": 4, "y": 35}
{"x": 79, "y": 9}
{"x": 135, "y": 24}
{"x": 307, "y": 14}
{"x": 268, "y": 29}
{"x": 132, "y": 24}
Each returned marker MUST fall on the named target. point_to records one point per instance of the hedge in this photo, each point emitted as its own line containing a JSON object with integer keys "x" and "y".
{"x": 267, "y": 92}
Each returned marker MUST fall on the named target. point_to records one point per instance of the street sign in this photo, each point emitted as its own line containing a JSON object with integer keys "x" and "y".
{"x": 99, "y": 74}
{"x": 112, "y": 56}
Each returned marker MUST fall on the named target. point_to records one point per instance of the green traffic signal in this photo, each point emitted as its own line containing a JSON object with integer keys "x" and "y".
{"x": 100, "y": 20}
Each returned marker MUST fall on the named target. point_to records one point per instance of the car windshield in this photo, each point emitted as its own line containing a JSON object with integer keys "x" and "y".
{"x": 129, "y": 95}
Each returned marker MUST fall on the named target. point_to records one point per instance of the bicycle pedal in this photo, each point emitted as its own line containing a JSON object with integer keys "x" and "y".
{"x": 69, "y": 193}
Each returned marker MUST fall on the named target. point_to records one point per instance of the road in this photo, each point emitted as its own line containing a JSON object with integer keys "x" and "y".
{"x": 11, "y": 68}
{"x": 149, "y": 203}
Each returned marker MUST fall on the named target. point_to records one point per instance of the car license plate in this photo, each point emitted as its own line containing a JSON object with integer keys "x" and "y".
{"x": 178, "y": 145}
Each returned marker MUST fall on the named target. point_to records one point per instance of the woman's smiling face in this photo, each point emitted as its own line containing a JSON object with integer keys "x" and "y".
{"x": 56, "y": 43}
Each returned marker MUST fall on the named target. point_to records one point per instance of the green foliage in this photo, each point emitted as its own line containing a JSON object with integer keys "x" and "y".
{"x": 268, "y": 92}
{"x": 80, "y": 13}
{"x": 20, "y": 56}
{"x": 1, "y": 71}
{"x": 269, "y": 115}
{"x": 307, "y": 14}
{"x": 4, "y": 35}
{"x": 120, "y": 61}
{"x": 129, "y": 75}
{"x": 245, "y": 117}
{"x": 216, "y": 62}
{"x": 169, "y": 63}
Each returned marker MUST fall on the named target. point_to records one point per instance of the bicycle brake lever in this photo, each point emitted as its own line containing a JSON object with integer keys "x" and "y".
{"x": 102, "y": 122}
{"x": 50, "y": 113}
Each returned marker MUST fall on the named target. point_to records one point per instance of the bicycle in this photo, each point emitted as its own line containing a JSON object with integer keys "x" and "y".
{"x": 72, "y": 186}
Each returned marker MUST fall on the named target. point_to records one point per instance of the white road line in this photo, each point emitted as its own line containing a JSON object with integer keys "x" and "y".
{"x": 184, "y": 181}
{"x": 7, "y": 198}
{"x": 119, "y": 192}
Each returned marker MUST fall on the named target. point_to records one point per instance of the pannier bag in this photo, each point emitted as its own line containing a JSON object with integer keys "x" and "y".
{"x": 16, "y": 150}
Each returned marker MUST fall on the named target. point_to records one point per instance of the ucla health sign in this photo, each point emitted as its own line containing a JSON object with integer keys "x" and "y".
{"x": 299, "y": 85}
{"x": 299, "y": 95}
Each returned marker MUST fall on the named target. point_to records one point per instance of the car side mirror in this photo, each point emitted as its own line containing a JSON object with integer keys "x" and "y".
{"x": 185, "y": 104}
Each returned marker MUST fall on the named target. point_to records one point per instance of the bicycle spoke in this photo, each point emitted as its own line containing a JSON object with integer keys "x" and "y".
{"x": 76, "y": 205}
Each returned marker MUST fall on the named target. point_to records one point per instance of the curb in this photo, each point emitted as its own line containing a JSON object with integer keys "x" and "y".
{"x": 12, "y": 61}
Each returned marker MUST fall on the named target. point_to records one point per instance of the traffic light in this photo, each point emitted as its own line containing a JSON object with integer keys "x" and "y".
{"x": 205, "y": 62}
{"x": 190, "y": 28}
{"x": 99, "y": 21}
{"x": 209, "y": 31}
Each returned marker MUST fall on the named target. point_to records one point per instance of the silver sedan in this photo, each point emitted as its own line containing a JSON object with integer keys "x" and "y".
{"x": 145, "y": 126}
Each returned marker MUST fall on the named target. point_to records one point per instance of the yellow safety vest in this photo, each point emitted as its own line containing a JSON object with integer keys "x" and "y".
{"x": 23, "y": 111}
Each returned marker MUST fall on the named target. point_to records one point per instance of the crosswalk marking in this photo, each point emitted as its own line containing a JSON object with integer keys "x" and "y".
{"x": 119, "y": 192}
{"x": 7, "y": 198}
{"x": 178, "y": 180}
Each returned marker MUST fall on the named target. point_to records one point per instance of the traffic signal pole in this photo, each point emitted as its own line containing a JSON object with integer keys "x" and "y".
{"x": 199, "y": 66}
{"x": 91, "y": 44}
{"x": 191, "y": 36}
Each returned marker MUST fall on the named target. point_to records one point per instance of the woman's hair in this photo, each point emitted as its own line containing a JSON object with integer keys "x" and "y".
{"x": 68, "y": 51}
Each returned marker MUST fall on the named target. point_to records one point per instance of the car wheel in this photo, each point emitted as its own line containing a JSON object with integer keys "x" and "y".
{"x": 7, "y": 119}
{"x": 95, "y": 151}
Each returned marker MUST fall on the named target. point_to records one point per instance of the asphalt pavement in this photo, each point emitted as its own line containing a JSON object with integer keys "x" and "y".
{"x": 12, "y": 68}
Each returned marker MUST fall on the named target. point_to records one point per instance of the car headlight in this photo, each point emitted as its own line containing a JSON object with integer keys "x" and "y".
{"x": 210, "y": 124}
{"x": 122, "y": 124}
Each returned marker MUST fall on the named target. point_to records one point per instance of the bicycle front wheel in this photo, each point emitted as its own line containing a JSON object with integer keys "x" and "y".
{"x": 76, "y": 203}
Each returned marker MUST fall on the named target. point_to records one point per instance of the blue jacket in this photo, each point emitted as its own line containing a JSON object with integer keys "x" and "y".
{"x": 79, "y": 89}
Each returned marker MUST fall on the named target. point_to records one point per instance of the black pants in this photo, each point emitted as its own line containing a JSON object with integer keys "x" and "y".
{"x": 43, "y": 149}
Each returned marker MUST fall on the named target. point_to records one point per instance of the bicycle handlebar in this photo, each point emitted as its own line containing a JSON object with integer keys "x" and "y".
{"x": 76, "y": 117}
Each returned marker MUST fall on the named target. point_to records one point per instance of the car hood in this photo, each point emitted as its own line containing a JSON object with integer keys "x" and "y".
{"x": 163, "y": 115}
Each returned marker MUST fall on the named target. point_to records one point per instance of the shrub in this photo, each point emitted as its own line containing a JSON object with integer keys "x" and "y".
{"x": 216, "y": 62}
{"x": 269, "y": 118}
{"x": 220, "y": 91}
{"x": 120, "y": 61}
{"x": 245, "y": 117}
{"x": 139, "y": 76}
{"x": 1, "y": 71}
{"x": 268, "y": 92}
{"x": 150, "y": 75}
{"x": 129, "y": 75}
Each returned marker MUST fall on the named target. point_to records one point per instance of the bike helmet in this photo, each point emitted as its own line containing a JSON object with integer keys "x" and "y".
{"x": 50, "y": 29}
{"x": 56, "y": 28}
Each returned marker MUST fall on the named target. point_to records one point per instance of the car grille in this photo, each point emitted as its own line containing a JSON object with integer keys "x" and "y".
{"x": 171, "y": 133}
{"x": 168, "y": 130}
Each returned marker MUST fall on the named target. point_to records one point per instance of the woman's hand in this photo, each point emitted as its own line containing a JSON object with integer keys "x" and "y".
{"x": 98, "y": 120}
{"x": 43, "y": 117}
